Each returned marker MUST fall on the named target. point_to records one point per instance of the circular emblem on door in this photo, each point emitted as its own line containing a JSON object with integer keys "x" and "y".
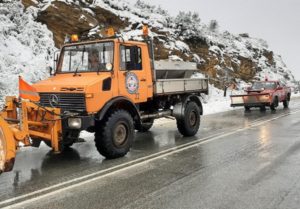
{"x": 132, "y": 83}
{"x": 53, "y": 100}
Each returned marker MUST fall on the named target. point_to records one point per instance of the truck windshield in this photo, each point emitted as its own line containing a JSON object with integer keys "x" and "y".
{"x": 87, "y": 58}
{"x": 264, "y": 85}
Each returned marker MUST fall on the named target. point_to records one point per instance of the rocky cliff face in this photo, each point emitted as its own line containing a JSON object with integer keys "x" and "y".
{"x": 218, "y": 54}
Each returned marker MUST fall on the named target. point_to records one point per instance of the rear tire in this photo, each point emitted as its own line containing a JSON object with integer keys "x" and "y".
{"x": 286, "y": 102}
{"x": 274, "y": 104}
{"x": 114, "y": 135}
{"x": 189, "y": 125}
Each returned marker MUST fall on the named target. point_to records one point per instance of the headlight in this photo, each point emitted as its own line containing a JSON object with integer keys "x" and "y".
{"x": 74, "y": 123}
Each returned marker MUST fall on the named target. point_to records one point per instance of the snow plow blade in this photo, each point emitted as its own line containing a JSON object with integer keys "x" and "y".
{"x": 250, "y": 100}
{"x": 22, "y": 122}
{"x": 7, "y": 147}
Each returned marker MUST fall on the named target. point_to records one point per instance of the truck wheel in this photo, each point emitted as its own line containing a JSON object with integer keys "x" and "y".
{"x": 247, "y": 109}
{"x": 287, "y": 101}
{"x": 263, "y": 108}
{"x": 114, "y": 136}
{"x": 61, "y": 146}
{"x": 274, "y": 104}
{"x": 68, "y": 140}
{"x": 145, "y": 126}
{"x": 189, "y": 125}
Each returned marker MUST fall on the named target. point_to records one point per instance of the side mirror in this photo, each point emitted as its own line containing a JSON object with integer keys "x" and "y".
{"x": 55, "y": 60}
{"x": 279, "y": 88}
{"x": 50, "y": 70}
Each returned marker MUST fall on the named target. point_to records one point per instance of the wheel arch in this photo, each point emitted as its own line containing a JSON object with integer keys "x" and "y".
{"x": 120, "y": 103}
{"x": 179, "y": 108}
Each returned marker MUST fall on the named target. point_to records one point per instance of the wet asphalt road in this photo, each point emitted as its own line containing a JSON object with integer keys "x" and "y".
{"x": 237, "y": 160}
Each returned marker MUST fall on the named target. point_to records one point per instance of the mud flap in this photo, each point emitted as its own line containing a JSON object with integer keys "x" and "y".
{"x": 7, "y": 147}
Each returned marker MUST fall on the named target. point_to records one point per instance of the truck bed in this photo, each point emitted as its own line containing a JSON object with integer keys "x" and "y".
{"x": 178, "y": 81}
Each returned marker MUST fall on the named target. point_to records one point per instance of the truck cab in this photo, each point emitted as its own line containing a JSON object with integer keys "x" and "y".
{"x": 92, "y": 73}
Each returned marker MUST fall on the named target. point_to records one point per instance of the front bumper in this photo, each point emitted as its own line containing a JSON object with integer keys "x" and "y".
{"x": 251, "y": 100}
{"x": 261, "y": 104}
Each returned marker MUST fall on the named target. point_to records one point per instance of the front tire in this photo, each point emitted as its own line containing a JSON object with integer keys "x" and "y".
{"x": 114, "y": 135}
{"x": 247, "y": 109}
{"x": 68, "y": 140}
{"x": 262, "y": 108}
{"x": 189, "y": 124}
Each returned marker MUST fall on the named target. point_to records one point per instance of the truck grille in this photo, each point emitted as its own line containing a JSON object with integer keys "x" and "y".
{"x": 65, "y": 101}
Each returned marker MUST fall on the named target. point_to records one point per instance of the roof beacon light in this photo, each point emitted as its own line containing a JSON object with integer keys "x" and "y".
{"x": 110, "y": 32}
{"x": 74, "y": 38}
{"x": 145, "y": 30}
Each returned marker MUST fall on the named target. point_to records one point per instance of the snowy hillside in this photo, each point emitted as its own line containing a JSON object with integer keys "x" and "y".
{"x": 32, "y": 29}
{"x": 183, "y": 37}
{"x": 26, "y": 47}
{"x": 179, "y": 34}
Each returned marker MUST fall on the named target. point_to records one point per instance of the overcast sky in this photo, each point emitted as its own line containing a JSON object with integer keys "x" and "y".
{"x": 276, "y": 21}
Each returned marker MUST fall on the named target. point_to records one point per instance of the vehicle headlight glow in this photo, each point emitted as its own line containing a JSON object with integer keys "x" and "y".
{"x": 74, "y": 123}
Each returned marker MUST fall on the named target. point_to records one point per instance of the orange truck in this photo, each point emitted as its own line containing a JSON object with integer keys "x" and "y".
{"x": 263, "y": 94}
{"x": 105, "y": 86}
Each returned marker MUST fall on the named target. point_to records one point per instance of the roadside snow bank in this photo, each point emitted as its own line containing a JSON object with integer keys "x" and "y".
{"x": 215, "y": 101}
{"x": 26, "y": 47}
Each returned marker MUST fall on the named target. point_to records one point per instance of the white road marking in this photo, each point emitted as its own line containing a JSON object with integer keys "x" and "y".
{"x": 125, "y": 166}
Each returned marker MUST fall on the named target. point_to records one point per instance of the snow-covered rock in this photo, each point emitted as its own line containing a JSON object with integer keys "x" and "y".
{"x": 26, "y": 47}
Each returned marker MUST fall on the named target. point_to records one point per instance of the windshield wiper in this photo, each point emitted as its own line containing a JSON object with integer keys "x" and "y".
{"x": 76, "y": 71}
{"x": 82, "y": 57}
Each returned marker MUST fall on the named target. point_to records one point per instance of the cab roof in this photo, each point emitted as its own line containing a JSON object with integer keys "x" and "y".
{"x": 115, "y": 40}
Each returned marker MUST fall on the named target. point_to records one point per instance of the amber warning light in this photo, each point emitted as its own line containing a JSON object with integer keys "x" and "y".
{"x": 110, "y": 32}
{"x": 145, "y": 30}
{"x": 74, "y": 38}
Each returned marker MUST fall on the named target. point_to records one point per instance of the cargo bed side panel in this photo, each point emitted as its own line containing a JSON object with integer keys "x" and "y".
{"x": 173, "y": 86}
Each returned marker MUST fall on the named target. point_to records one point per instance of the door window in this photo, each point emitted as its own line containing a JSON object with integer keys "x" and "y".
{"x": 131, "y": 58}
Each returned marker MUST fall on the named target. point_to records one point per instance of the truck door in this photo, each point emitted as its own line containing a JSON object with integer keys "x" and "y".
{"x": 131, "y": 75}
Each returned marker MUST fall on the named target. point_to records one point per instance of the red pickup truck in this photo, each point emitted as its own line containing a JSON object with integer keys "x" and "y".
{"x": 262, "y": 94}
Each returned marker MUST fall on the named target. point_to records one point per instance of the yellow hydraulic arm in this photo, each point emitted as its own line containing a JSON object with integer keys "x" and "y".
{"x": 21, "y": 121}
